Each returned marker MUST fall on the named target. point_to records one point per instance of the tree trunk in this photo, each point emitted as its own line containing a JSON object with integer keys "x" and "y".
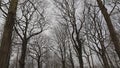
{"x": 111, "y": 29}
{"x": 105, "y": 61}
{"x": 0, "y": 3}
{"x": 39, "y": 63}
{"x": 7, "y": 34}
{"x": 80, "y": 60}
{"x": 80, "y": 52}
{"x": 63, "y": 64}
{"x": 103, "y": 55}
{"x": 23, "y": 54}
{"x": 78, "y": 49}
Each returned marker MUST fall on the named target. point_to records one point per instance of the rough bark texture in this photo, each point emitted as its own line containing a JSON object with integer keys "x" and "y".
{"x": 111, "y": 29}
{"x": 7, "y": 34}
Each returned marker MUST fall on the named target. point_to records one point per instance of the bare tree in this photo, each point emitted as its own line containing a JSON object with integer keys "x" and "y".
{"x": 30, "y": 24}
{"x": 99, "y": 40}
{"x": 69, "y": 16}
{"x": 7, "y": 34}
{"x": 60, "y": 39}
{"x": 111, "y": 28}
{"x": 38, "y": 49}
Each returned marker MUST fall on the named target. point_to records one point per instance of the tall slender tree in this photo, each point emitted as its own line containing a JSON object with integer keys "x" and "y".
{"x": 111, "y": 28}
{"x": 7, "y": 34}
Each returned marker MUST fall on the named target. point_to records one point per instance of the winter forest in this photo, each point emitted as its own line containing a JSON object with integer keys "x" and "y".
{"x": 59, "y": 33}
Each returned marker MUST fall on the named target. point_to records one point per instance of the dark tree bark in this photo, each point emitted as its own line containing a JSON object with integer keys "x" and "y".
{"x": 63, "y": 64}
{"x": 23, "y": 54}
{"x": 7, "y": 34}
{"x": 78, "y": 48}
{"x": 111, "y": 29}
{"x": 38, "y": 61}
{"x": 0, "y": 3}
{"x": 80, "y": 58}
{"x": 79, "y": 51}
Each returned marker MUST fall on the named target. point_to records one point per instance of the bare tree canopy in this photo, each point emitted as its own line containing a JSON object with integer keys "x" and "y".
{"x": 59, "y": 33}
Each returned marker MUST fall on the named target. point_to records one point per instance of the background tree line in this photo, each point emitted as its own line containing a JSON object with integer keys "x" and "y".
{"x": 60, "y": 34}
